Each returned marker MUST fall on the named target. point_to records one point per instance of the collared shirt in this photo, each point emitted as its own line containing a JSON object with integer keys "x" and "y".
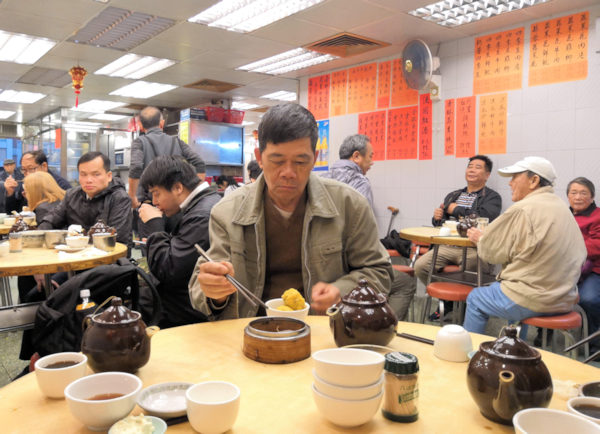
{"x": 202, "y": 186}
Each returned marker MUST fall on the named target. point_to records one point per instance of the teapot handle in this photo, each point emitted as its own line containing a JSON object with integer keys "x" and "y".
{"x": 86, "y": 322}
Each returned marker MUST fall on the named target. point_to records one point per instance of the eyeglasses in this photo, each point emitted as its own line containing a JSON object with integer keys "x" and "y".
{"x": 29, "y": 170}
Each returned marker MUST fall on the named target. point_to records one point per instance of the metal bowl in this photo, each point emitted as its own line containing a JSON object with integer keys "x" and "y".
{"x": 32, "y": 239}
{"x": 54, "y": 237}
{"x": 105, "y": 241}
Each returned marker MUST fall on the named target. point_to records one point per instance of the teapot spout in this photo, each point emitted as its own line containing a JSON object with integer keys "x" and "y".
{"x": 152, "y": 330}
{"x": 506, "y": 403}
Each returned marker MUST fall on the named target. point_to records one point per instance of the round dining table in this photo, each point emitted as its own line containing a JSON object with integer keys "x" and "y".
{"x": 278, "y": 398}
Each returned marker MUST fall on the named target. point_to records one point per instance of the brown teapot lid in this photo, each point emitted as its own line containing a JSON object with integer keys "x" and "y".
{"x": 117, "y": 313}
{"x": 509, "y": 345}
{"x": 365, "y": 295}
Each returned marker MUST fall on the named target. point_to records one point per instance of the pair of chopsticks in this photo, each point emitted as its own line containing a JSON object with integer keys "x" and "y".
{"x": 245, "y": 292}
{"x": 415, "y": 338}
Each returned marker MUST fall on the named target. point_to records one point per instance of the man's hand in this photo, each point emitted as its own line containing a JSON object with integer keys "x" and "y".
{"x": 324, "y": 295}
{"x": 10, "y": 185}
{"x": 135, "y": 203}
{"x": 474, "y": 235}
{"x": 438, "y": 213}
{"x": 149, "y": 212}
{"x": 213, "y": 282}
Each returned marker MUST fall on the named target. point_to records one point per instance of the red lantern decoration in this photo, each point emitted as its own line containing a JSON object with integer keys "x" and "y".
{"x": 77, "y": 74}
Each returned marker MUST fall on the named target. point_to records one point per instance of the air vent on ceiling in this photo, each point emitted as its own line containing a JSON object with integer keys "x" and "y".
{"x": 345, "y": 45}
{"x": 8, "y": 130}
{"x": 212, "y": 85}
{"x": 46, "y": 77}
{"x": 121, "y": 29}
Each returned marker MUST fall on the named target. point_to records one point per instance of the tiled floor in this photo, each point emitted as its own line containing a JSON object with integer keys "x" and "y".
{"x": 10, "y": 342}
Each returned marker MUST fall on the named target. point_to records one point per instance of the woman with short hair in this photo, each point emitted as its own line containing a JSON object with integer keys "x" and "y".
{"x": 581, "y": 192}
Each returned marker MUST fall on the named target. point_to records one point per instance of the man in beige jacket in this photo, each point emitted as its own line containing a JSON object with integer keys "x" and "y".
{"x": 539, "y": 245}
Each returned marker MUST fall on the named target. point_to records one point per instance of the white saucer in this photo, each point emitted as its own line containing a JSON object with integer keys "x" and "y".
{"x": 164, "y": 400}
{"x": 67, "y": 249}
{"x": 160, "y": 426}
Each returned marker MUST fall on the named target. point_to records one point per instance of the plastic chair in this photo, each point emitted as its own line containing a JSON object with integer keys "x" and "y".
{"x": 447, "y": 291}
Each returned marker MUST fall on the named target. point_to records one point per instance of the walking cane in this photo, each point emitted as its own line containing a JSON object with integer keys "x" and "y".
{"x": 394, "y": 212}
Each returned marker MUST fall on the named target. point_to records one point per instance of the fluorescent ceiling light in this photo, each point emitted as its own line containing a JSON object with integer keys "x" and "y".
{"x": 246, "y": 123}
{"x": 292, "y": 60}
{"x": 97, "y": 106}
{"x": 452, "y": 13}
{"x": 135, "y": 66}
{"x": 248, "y": 15}
{"x": 25, "y": 49}
{"x": 107, "y": 117}
{"x": 21, "y": 97}
{"x": 143, "y": 89}
{"x": 282, "y": 95}
{"x": 237, "y": 105}
{"x": 5, "y": 114}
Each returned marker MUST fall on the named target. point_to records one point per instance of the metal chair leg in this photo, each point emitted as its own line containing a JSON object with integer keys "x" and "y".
{"x": 426, "y": 309}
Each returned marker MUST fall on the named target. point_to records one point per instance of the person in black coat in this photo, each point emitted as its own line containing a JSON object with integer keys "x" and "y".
{"x": 100, "y": 196}
{"x": 171, "y": 255}
{"x": 31, "y": 162}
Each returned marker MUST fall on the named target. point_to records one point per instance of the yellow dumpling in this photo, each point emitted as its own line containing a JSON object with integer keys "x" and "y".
{"x": 293, "y": 299}
{"x": 284, "y": 307}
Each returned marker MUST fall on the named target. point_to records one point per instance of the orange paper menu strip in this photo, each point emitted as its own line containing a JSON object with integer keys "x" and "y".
{"x": 492, "y": 123}
{"x": 498, "y": 63}
{"x": 362, "y": 88}
{"x": 372, "y": 125}
{"x": 384, "y": 78}
{"x": 465, "y": 126}
{"x": 425, "y": 152}
{"x": 339, "y": 87}
{"x": 558, "y": 50}
{"x": 402, "y": 127}
{"x": 401, "y": 94}
{"x": 449, "y": 107}
{"x": 318, "y": 96}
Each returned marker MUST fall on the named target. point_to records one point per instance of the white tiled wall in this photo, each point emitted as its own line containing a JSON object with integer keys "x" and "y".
{"x": 560, "y": 122}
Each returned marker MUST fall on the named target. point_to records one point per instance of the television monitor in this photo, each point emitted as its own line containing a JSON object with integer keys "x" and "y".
{"x": 218, "y": 144}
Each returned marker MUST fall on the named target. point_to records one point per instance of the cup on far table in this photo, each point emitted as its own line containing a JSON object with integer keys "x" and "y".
{"x": 212, "y": 406}
{"x": 15, "y": 242}
{"x": 482, "y": 223}
{"x": 4, "y": 249}
{"x": 56, "y": 371}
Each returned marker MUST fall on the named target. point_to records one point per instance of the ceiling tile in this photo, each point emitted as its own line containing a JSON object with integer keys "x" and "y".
{"x": 168, "y": 50}
{"x": 55, "y": 29}
{"x": 199, "y": 35}
{"x": 184, "y": 9}
{"x": 12, "y": 71}
{"x": 57, "y": 11}
{"x": 46, "y": 77}
{"x": 343, "y": 14}
{"x": 296, "y": 32}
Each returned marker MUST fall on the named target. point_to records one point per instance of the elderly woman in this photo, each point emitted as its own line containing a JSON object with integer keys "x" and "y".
{"x": 580, "y": 193}
{"x": 43, "y": 193}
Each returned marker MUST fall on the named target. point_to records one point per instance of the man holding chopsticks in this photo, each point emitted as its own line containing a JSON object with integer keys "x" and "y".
{"x": 289, "y": 229}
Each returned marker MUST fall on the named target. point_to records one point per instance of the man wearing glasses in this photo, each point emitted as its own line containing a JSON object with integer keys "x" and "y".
{"x": 32, "y": 161}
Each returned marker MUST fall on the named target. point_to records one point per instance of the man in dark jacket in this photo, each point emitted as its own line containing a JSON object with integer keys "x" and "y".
{"x": 172, "y": 256}
{"x": 10, "y": 169}
{"x": 32, "y": 161}
{"x": 474, "y": 198}
{"x": 99, "y": 196}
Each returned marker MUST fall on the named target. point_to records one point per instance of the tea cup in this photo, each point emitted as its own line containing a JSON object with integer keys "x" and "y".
{"x": 4, "y": 248}
{"x": 586, "y": 407}
{"x": 55, "y": 371}
{"x": 9, "y": 221}
{"x": 452, "y": 343}
{"x": 546, "y": 420}
{"x": 212, "y": 406}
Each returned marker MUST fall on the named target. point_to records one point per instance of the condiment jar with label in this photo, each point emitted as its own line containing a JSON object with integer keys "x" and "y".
{"x": 401, "y": 387}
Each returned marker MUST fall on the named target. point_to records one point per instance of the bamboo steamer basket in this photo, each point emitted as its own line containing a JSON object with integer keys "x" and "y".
{"x": 277, "y": 340}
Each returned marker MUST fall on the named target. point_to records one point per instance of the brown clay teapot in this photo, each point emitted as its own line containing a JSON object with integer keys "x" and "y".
{"x": 363, "y": 316}
{"x": 116, "y": 339}
{"x": 507, "y": 375}
{"x": 464, "y": 224}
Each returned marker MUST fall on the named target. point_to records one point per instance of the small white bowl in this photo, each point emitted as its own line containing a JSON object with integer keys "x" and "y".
{"x": 348, "y": 393}
{"x": 591, "y": 389}
{"x": 164, "y": 400}
{"x": 212, "y": 406}
{"x": 452, "y": 343}
{"x": 273, "y": 304}
{"x": 573, "y": 403}
{"x": 549, "y": 421}
{"x": 346, "y": 413}
{"x": 99, "y": 415}
{"x": 52, "y": 381}
{"x": 348, "y": 367}
{"x": 9, "y": 221}
{"x": 78, "y": 241}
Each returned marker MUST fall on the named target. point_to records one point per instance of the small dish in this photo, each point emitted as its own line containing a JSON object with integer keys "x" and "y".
{"x": 67, "y": 249}
{"x": 160, "y": 426}
{"x": 164, "y": 400}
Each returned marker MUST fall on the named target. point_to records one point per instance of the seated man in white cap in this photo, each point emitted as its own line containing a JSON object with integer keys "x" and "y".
{"x": 539, "y": 245}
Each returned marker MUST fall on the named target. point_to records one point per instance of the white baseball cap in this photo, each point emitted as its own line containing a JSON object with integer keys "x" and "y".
{"x": 538, "y": 165}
